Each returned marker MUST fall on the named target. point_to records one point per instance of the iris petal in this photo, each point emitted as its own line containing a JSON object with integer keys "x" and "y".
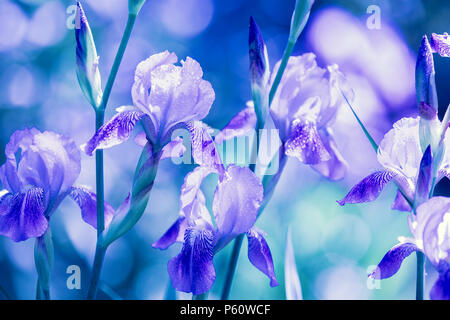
{"x": 392, "y": 260}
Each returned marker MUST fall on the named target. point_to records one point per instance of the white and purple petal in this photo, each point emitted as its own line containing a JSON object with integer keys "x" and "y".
{"x": 236, "y": 203}
{"x": 336, "y": 167}
{"x": 305, "y": 144}
{"x": 440, "y": 43}
{"x": 22, "y": 215}
{"x": 260, "y": 256}
{"x": 392, "y": 260}
{"x": 114, "y": 132}
{"x": 193, "y": 270}
{"x": 441, "y": 288}
{"x": 368, "y": 189}
{"x": 242, "y": 123}
{"x": 87, "y": 201}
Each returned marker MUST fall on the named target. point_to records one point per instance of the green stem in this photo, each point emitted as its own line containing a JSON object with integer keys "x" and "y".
{"x": 96, "y": 270}
{"x": 284, "y": 61}
{"x": 118, "y": 60}
{"x": 420, "y": 275}
{"x": 232, "y": 266}
{"x": 99, "y": 120}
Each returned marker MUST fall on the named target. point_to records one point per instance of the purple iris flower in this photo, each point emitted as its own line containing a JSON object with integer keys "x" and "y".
{"x": 431, "y": 230}
{"x": 237, "y": 199}
{"x": 39, "y": 172}
{"x": 304, "y": 109}
{"x": 165, "y": 96}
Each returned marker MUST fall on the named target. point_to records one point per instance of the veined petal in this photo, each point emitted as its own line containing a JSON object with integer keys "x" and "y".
{"x": 400, "y": 203}
{"x": 336, "y": 167}
{"x": 392, "y": 260}
{"x": 173, "y": 234}
{"x": 204, "y": 149}
{"x": 236, "y": 203}
{"x": 240, "y": 125}
{"x": 441, "y": 288}
{"x": 114, "y": 132}
{"x": 305, "y": 144}
{"x": 260, "y": 256}
{"x": 440, "y": 43}
{"x": 291, "y": 279}
{"x": 193, "y": 270}
{"x": 22, "y": 215}
{"x": 368, "y": 189}
{"x": 87, "y": 201}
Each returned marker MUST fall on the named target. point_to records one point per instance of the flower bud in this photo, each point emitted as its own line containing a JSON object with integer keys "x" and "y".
{"x": 134, "y": 6}
{"x": 259, "y": 70}
{"x": 88, "y": 73}
{"x": 299, "y": 18}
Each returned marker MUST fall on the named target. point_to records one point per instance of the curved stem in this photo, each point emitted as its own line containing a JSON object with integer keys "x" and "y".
{"x": 96, "y": 270}
{"x": 99, "y": 120}
{"x": 117, "y": 60}
{"x": 284, "y": 61}
{"x": 420, "y": 275}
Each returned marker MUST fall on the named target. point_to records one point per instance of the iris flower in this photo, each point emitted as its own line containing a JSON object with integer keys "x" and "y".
{"x": 237, "y": 199}
{"x": 40, "y": 171}
{"x": 304, "y": 109}
{"x": 431, "y": 230}
{"x": 165, "y": 96}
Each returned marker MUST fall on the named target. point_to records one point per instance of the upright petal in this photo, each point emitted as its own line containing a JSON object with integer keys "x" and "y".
{"x": 305, "y": 144}
{"x": 424, "y": 179}
{"x": 440, "y": 43}
{"x": 236, "y": 203}
{"x": 291, "y": 279}
{"x": 22, "y": 215}
{"x": 193, "y": 270}
{"x": 240, "y": 125}
{"x": 114, "y": 132}
{"x": 432, "y": 228}
{"x": 336, "y": 167}
{"x": 368, "y": 189}
{"x": 87, "y": 201}
{"x": 392, "y": 260}
{"x": 260, "y": 256}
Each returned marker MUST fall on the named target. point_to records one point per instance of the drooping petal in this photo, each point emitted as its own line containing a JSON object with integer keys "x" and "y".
{"x": 305, "y": 144}
{"x": 22, "y": 215}
{"x": 336, "y": 167}
{"x": 368, "y": 189}
{"x": 114, "y": 132}
{"x": 392, "y": 260}
{"x": 193, "y": 270}
{"x": 441, "y": 288}
{"x": 400, "y": 203}
{"x": 236, "y": 203}
{"x": 240, "y": 125}
{"x": 87, "y": 201}
{"x": 440, "y": 43}
{"x": 260, "y": 256}
{"x": 204, "y": 150}
{"x": 291, "y": 279}
{"x": 173, "y": 234}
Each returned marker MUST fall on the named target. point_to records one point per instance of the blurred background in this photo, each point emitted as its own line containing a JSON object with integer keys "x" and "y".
{"x": 335, "y": 247}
